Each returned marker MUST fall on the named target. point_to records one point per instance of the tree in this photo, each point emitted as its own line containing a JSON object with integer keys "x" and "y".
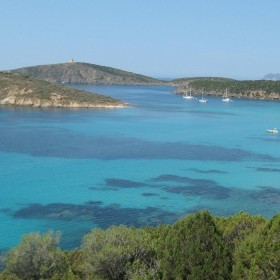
{"x": 110, "y": 254}
{"x": 258, "y": 255}
{"x": 36, "y": 257}
{"x": 195, "y": 249}
{"x": 236, "y": 228}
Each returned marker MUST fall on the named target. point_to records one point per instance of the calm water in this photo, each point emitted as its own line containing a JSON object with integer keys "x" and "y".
{"x": 72, "y": 170}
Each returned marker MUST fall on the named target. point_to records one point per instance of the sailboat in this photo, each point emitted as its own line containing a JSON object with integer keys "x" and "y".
{"x": 226, "y": 98}
{"x": 188, "y": 96}
{"x": 202, "y": 100}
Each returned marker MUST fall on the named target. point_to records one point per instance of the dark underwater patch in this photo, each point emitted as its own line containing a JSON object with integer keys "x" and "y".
{"x": 265, "y": 169}
{"x": 100, "y": 215}
{"x": 202, "y": 187}
{"x": 122, "y": 183}
{"x": 267, "y": 194}
{"x": 203, "y": 190}
{"x": 210, "y": 171}
{"x": 103, "y": 188}
{"x": 150, "y": 194}
{"x": 210, "y": 113}
{"x": 269, "y": 138}
{"x": 94, "y": 202}
{"x": 6, "y": 211}
{"x": 63, "y": 144}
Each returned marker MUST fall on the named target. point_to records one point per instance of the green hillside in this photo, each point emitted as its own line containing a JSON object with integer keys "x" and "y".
{"x": 257, "y": 89}
{"x": 85, "y": 73}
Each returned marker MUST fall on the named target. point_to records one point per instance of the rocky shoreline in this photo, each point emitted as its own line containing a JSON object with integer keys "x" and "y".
{"x": 19, "y": 90}
{"x": 258, "y": 95}
{"x": 258, "y": 90}
{"x": 40, "y": 103}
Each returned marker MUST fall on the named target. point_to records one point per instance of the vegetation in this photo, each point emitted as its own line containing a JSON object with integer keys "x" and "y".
{"x": 117, "y": 253}
{"x": 17, "y": 89}
{"x": 37, "y": 257}
{"x": 194, "y": 249}
{"x": 198, "y": 246}
{"x": 85, "y": 73}
{"x": 259, "y": 89}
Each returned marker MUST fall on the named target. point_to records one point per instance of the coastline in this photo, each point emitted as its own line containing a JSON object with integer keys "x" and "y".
{"x": 37, "y": 103}
{"x": 256, "y": 95}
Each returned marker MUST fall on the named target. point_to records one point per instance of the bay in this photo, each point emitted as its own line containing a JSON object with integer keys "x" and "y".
{"x": 150, "y": 163}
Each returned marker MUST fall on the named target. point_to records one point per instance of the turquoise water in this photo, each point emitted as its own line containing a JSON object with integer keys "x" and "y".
{"x": 163, "y": 157}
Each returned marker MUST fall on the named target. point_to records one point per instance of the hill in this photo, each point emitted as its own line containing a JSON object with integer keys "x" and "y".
{"x": 273, "y": 77}
{"x": 85, "y": 73}
{"x": 253, "y": 89}
{"x": 20, "y": 90}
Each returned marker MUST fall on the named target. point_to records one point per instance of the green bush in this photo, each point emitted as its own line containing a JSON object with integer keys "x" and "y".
{"x": 258, "y": 255}
{"x": 194, "y": 249}
{"x": 112, "y": 253}
{"x": 36, "y": 257}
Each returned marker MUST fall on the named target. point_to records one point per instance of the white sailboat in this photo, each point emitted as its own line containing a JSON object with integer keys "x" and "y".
{"x": 226, "y": 98}
{"x": 202, "y": 100}
{"x": 188, "y": 96}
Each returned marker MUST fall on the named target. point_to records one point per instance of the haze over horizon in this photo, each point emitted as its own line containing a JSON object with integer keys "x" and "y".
{"x": 155, "y": 38}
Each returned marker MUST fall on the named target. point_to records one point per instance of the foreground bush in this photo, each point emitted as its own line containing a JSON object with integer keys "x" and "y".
{"x": 36, "y": 257}
{"x": 258, "y": 255}
{"x": 118, "y": 253}
{"x": 196, "y": 247}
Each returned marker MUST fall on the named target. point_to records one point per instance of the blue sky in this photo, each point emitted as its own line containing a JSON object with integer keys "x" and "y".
{"x": 161, "y": 38}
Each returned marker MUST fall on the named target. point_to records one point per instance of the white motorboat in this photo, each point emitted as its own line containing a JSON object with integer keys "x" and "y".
{"x": 272, "y": 131}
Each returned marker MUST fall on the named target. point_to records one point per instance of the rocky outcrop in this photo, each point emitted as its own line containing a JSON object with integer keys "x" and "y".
{"x": 14, "y": 100}
{"x": 19, "y": 90}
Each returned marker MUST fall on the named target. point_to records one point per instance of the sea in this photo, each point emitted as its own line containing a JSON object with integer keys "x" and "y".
{"x": 153, "y": 162}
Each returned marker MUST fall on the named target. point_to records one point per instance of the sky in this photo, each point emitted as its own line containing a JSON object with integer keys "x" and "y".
{"x": 160, "y": 38}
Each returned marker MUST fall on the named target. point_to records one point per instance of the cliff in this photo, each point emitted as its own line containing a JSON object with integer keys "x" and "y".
{"x": 20, "y": 90}
{"x": 85, "y": 73}
{"x": 252, "y": 89}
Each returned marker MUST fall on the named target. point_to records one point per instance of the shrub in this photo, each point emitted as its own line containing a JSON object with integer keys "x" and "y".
{"x": 36, "y": 257}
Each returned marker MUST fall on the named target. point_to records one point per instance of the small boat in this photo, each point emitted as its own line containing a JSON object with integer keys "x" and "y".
{"x": 202, "y": 100}
{"x": 188, "y": 96}
{"x": 226, "y": 98}
{"x": 272, "y": 131}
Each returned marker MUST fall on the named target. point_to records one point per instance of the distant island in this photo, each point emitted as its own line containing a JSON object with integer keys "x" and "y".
{"x": 252, "y": 89}
{"x": 86, "y": 73}
{"x": 21, "y": 90}
{"x": 271, "y": 76}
